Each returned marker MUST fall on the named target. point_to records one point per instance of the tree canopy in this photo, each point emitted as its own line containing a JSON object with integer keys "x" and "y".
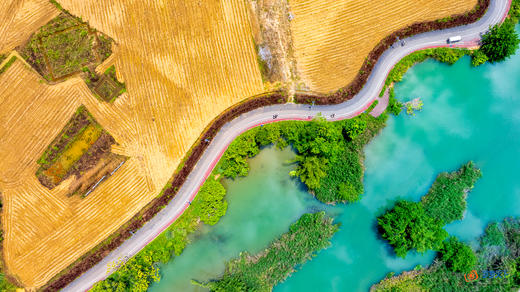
{"x": 407, "y": 226}
{"x": 459, "y": 257}
{"x": 500, "y": 42}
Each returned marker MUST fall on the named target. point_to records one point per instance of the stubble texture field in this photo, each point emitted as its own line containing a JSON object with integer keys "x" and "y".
{"x": 333, "y": 37}
{"x": 183, "y": 63}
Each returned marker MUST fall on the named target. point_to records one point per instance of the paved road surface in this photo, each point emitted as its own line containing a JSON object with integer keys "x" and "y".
{"x": 470, "y": 35}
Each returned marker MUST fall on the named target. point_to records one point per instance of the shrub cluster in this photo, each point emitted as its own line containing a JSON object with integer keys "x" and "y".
{"x": 418, "y": 225}
{"x": 496, "y": 261}
{"x": 394, "y": 106}
{"x": 329, "y": 155}
{"x": 501, "y": 41}
{"x": 458, "y": 256}
{"x": 446, "y": 199}
{"x": 139, "y": 272}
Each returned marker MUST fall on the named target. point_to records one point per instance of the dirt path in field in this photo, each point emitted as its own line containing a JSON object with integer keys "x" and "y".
{"x": 270, "y": 22}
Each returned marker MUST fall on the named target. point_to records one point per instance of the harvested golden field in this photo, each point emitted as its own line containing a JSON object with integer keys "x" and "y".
{"x": 20, "y": 18}
{"x": 183, "y": 63}
{"x": 331, "y": 38}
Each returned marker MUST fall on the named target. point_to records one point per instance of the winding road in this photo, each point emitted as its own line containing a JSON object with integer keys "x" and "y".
{"x": 470, "y": 36}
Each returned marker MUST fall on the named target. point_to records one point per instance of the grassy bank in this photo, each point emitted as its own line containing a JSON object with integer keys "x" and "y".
{"x": 329, "y": 155}
{"x": 8, "y": 64}
{"x": 445, "y": 55}
{"x": 260, "y": 272}
{"x": 335, "y": 147}
{"x": 418, "y": 225}
{"x": 498, "y": 266}
{"x": 139, "y": 272}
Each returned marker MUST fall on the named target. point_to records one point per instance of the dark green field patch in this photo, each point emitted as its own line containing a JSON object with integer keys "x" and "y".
{"x": 68, "y": 51}
{"x": 64, "y": 47}
{"x": 83, "y": 150}
{"x": 106, "y": 87}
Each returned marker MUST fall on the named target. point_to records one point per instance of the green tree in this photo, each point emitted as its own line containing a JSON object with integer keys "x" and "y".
{"x": 347, "y": 192}
{"x": 311, "y": 170}
{"x": 407, "y": 227}
{"x": 458, "y": 256}
{"x": 500, "y": 42}
{"x": 354, "y": 127}
{"x": 478, "y": 58}
{"x": 212, "y": 204}
{"x": 394, "y": 106}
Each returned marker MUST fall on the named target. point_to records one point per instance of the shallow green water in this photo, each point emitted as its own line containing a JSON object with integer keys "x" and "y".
{"x": 469, "y": 114}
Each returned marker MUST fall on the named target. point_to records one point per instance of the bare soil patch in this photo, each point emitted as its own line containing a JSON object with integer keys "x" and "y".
{"x": 273, "y": 40}
{"x": 79, "y": 148}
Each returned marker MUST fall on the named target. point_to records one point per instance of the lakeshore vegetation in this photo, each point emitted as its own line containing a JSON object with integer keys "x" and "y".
{"x": 315, "y": 163}
{"x": 496, "y": 262}
{"x": 260, "y": 272}
{"x": 419, "y": 225}
{"x": 329, "y": 155}
{"x": 329, "y": 162}
{"x": 139, "y": 272}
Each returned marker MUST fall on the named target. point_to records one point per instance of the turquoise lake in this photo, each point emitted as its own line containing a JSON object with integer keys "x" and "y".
{"x": 469, "y": 114}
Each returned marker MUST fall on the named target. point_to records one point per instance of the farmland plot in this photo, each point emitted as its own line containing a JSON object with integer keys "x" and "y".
{"x": 332, "y": 37}
{"x": 20, "y": 18}
{"x": 183, "y": 63}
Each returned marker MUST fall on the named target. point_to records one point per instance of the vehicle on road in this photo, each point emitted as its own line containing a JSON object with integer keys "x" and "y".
{"x": 454, "y": 39}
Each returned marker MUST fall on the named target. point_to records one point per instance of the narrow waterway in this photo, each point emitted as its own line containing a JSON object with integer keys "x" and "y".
{"x": 469, "y": 114}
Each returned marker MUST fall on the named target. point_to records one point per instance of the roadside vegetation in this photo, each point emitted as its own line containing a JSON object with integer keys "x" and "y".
{"x": 419, "y": 225}
{"x": 445, "y": 55}
{"x": 260, "y": 272}
{"x": 139, "y": 272}
{"x": 394, "y": 106}
{"x": 496, "y": 262}
{"x": 329, "y": 155}
{"x": 329, "y": 162}
{"x": 500, "y": 42}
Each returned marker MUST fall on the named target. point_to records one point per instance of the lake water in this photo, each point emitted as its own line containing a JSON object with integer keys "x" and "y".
{"x": 469, "y": 114}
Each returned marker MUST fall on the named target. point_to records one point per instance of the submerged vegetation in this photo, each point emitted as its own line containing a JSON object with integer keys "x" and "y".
{"x": 418, "y": 225}
{"x": 496, "y": 264}
{"x": 311, "y": 233}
